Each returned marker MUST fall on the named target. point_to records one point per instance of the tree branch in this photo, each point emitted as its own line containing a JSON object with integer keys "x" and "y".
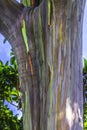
{"x": 10, "y": 10}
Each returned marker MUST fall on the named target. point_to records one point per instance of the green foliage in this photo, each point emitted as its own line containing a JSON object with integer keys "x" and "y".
{"x": 85, "y": 93}
{"x": 13, "y": 62}
{"x": 85, "y": 66}
{"x": 8, "y": 82}
{"x": 8, "y": 92}
{"x": 7, "y": 120}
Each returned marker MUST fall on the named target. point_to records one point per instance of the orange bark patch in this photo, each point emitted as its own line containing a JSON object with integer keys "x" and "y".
{"x": 33, "y": 2}
{"x": 30, "y": 63}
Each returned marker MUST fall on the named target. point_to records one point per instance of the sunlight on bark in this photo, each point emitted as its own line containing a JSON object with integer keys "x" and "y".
{"x": 69, "y": 113}
{"x": 73, "y": 114}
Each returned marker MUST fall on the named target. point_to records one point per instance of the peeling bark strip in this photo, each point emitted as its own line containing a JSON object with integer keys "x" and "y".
{"x": 25, "y": 35}
{"x": 30, "y": 63}
{"x": 46, "y": 36}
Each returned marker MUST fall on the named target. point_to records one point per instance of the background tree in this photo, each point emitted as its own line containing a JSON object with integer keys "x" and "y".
{"x": 85, "y": 93}
{"x": 10, "y": 93}
{"x": 46, "y": 36}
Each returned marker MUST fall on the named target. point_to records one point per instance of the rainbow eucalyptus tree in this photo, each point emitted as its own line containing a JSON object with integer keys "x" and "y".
{"x": 46, "y": 36}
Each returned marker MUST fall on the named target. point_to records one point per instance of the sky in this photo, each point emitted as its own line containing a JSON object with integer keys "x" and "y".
{"x": 85, "y": 33}
{"x": 15, "y": 110}
{"x": 5, "y": 52}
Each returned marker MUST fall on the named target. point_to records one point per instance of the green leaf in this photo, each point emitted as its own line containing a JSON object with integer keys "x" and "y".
{"x": 12, "y": 60}
{"x": 14, "y": 93}
{"x": 1, "y": 63}
{"x": 85, "y": 62}
{"x": 6, "y": 64}
{"x": 11, "y": 53}
{"x": 85, "y": 66}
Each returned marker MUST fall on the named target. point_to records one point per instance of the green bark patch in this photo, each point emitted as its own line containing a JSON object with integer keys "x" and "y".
{"x": 25, "y": 35}
{"x": 26, "y": 2}
{"x": 49, "y": 11}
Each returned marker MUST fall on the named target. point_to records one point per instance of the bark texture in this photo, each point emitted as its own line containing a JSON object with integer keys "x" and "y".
{"x": 47, "y": 41}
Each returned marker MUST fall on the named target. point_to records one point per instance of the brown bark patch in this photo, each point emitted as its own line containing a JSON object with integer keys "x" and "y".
{"x": 58, "y": 109}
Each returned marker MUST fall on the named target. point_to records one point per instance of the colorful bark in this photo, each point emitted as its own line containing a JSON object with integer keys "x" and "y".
{"x": 45, "y": 41}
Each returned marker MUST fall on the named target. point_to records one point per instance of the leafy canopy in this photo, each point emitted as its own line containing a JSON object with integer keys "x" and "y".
{"x": 85, "y": 93}
{"x": 9, "y": 92}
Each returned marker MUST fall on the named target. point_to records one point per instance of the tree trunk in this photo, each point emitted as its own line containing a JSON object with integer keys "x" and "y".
{"x": 47, "y": 41}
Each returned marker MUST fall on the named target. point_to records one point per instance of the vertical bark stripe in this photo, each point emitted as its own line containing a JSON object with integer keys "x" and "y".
{"x": 25, "y": 35}
{"x": 61, "y": 32}
{"x": 30, "y": 63}
{"x": 58, "y": 109}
